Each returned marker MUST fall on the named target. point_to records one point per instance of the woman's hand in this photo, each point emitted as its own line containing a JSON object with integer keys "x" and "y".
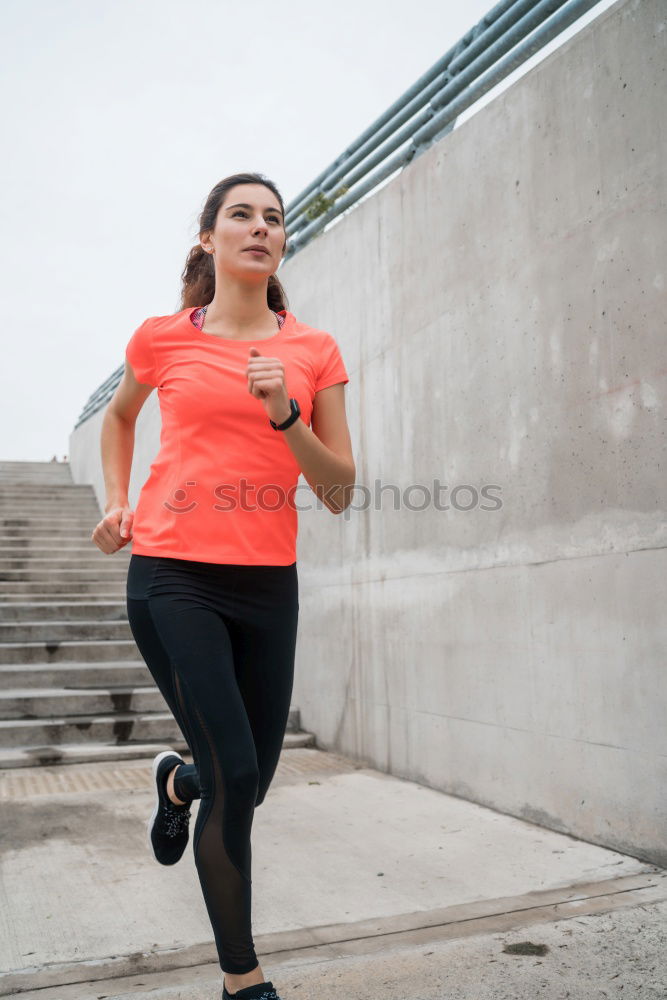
{"x": 266, "y": 381}
{"x": 114, "y": 530}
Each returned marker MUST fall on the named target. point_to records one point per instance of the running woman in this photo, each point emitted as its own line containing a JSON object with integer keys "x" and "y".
{"x": 250, "y": 397}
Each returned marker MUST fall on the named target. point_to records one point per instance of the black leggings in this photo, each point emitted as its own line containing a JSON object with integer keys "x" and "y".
{"x": 219, "y": 640}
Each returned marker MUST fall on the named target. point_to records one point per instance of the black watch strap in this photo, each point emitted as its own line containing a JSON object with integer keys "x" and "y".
{"x": 295, "y": 414}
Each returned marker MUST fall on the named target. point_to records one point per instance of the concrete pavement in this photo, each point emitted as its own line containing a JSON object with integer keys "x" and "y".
{"x": 364, "y": 885}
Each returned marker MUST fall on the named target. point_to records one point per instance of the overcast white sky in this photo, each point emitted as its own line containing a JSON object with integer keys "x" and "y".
{"x": 118, "y": 118}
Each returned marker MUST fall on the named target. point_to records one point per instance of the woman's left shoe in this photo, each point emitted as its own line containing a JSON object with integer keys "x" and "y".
{"x": 260, "y": 991}
{"x": 167, "y": 828}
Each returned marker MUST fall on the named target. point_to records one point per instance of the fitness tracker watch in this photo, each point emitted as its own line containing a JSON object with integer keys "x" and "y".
{"x": 295, "y": 414}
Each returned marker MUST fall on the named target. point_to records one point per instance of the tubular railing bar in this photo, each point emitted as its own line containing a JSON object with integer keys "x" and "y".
{"x": 559, "y": 21}
{"x": 404, "y": 107}
{"x": 102, "y": 386}
{"x": 100, "y": 396}
{"x": 424, "y": 136}
{"x": 101, "y": 389}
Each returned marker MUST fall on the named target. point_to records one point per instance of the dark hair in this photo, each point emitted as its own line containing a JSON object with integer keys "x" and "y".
{"x": 198, "y": 275}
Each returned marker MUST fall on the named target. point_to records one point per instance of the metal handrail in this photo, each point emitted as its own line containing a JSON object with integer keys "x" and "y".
{"x": 507, "y": 36}
{"x": 449, "y": 87}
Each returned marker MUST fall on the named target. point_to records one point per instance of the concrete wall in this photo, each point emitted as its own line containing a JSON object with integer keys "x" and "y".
{"x": 500, "y": 307}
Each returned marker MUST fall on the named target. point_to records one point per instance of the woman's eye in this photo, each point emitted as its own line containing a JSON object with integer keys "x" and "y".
{"x": 239, "y": 211}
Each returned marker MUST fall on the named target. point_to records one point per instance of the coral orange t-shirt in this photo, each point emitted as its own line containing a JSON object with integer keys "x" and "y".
{"x": 222, "y": 486}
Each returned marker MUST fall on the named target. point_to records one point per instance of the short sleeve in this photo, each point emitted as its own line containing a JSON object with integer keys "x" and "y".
{"x": 139, "y": 353}
{"x": 331, "y": 366}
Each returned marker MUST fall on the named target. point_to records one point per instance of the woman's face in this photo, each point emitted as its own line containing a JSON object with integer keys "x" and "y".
{"x": 249, "y": 215}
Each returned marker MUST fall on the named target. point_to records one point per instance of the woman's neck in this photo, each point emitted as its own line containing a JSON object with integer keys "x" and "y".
{"x": 265, "y": 328}
{"x": 238, "y": 309}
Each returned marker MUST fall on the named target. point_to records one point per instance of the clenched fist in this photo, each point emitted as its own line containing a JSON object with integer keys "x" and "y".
{"x": 114, "y": 530}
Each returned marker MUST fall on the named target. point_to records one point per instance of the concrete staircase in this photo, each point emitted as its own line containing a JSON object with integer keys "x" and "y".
{"x": 73, "y": 686}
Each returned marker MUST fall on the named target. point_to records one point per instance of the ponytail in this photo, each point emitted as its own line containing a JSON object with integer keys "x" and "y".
{"x": 198, "y": 278}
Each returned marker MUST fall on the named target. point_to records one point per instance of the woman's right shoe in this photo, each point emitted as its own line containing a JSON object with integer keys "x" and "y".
{"x": 167, "y": 828}
{"x": 260, "y": 991}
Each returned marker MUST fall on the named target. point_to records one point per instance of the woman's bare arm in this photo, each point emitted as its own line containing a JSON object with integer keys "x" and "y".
{"x": 117, "y": 448}
{"x": 324, "y": 453}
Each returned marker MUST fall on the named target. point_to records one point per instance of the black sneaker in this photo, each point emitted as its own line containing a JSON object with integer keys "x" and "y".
{"x": 260, "y": 991}
{"x": 167, "y": 828}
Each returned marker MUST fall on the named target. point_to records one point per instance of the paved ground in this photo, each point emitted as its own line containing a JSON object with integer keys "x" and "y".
{"x": 364, "y": 886}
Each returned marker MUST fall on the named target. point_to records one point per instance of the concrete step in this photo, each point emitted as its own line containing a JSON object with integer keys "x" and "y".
{"x": 29, "y": 523}
{"x": 43, "y": 467}
{"x": 20, "y": 474}
{"x": 63, "y": 505}
{"x": 9, "y": 489}
{"x": 48, "y": 530}
{"x": 71, "y": 550}
{"x": 91, "y": 558}
{"x": 101, "y": 574}
{"x": 66, "y": 651}
{"x": 45, "y": 703}
{"x": 112, "y": 673}
{"x": 35, "y": 490}
{"x": 46, "y": 494}
{"x": 50, "y": 547}
{"x": 79, "y": 753}
{"x": 47, "y": 534}
{"x": 19, "y": 481}
{"x": 48, "y": 632}
{"x": 62, "y": 611}
{"x": 78, "y": 550}
{"x": 59, "y": 513}
{"x": 75, "y": 505}
{"x": 32, "y": 482}
{"x": 37, "y": 590}
{"x": 124, "y": 727}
